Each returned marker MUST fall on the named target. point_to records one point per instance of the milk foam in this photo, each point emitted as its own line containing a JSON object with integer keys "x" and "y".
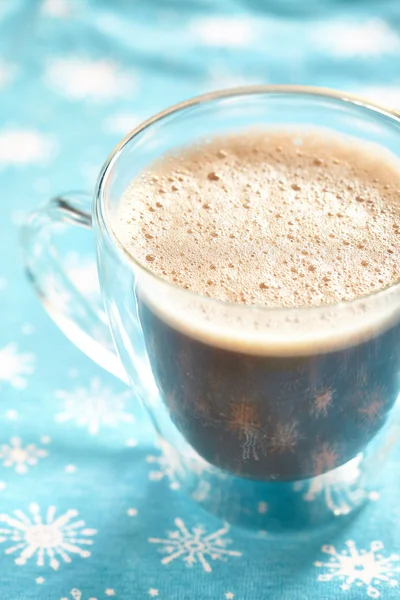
{"x": 270, "y": 218}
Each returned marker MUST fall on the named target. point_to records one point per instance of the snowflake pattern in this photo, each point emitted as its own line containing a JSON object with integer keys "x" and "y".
{"x": 224, "y": 32}
{"x": 56, "y": 295}
{"x": 369, "y": 37}
{"x": 6, "y": 73}
{"x": 25, "y": 146}
{"x": 162, "y": 469}
{"x": 371, "y": 412}
{"x": 243, "y": 420}
{"x": 76, "y": 594}
{"x": 123, "y": 123}
{"x": 52, "y": 538}
{"x": 325, "y": 459}
{"x": 372, "y": 37}
{"x": 58, "y": 9}
{"x": 284, "y": 438}
{"x": 368, "y": 568}
{"x": 16, "y": 456}
{"x": 322, "y": 401}
{"x": 243, "y": 417}
{"x": 14, "y": 366}
{"x": 372, "y": 405}
{"x": 339, "y": 489}
{"x": 94, "y": 407}
{"x": 83, "y": 274}
{"x": 172, "y": 465}
{"x": 195, "y": 546}
{"x": 81, "y": 78}
{"x": 219, "y": 76}
{"x": 202, "y": 408}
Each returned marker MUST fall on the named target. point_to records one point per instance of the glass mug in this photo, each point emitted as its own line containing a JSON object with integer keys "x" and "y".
{"x": 276, "y": 418}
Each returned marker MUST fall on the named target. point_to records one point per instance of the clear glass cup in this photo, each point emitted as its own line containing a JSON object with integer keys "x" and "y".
{"x": 257, "y": 432}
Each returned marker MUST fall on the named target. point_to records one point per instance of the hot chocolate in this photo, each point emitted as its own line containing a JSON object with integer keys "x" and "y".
{"x": 273, "y": 218}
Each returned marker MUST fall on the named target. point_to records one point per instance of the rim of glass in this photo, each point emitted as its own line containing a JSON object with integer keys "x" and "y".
{"x": 100, "y": 210}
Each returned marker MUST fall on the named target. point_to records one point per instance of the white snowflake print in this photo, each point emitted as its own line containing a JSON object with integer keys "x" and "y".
{"x": 19, "y": 457}
{"x": 220, "y": 77}
{"x": 57, "y": 296}
{"x": 339, "y": 489}
{"x": 371, "y": 413}
{"x": 12, "y": 414}
{"x": 14, "y": 366}
{"x": 6, "y": 73}
{"x": 162, "y": 469}
{"x": 284, "y": 438}
{"x": 372, "y": 405}
{"x": 202, "y": 491}
{"x": 94, "y": 407}
{"x": 81, "y": 78}
{"x": 131, "y": 443}
{"x": 58, "y": 9}
{"x": 27, "y": 329}
{"x": 367, "y": 568}
{"x": 373, "y": 37}
{"x": 262, "y": 508}
{"x": 224, "y": 31}
{"x": 173, "y": 465}
{"x": 322, "y": 401}
{"x": 53, "y": 538}
{"x": 195, "y": 546}
{"x": 83, "y": 274}
{"x": 123, "y": 123}
{"x": 325, "y": 458}
{"x": 25, "y": 146}
{"x": 70, "y": 469}
{"x": 76, "y": 594}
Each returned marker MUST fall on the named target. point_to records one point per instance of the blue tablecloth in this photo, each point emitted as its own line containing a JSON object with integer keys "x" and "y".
{"x": 87, "y": 506}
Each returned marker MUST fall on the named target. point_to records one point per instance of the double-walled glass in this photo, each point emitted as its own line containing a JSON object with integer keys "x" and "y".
{"x": 271, "y": 417}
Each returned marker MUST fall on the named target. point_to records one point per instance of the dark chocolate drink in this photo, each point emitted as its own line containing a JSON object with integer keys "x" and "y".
{"x": 275, "y": 219}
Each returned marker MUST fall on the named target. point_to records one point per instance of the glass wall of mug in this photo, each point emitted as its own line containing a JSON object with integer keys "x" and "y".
{"x": 258, "y": 408}
{"x": 262, "y": 412}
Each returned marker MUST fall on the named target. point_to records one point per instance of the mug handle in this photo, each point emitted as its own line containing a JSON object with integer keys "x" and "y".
{"x": 79, "y": 316}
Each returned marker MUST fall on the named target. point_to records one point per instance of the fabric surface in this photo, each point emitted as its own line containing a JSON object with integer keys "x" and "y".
{"x": 87, "y": 506}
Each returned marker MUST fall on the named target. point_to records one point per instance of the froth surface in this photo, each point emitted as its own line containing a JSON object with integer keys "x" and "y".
{"x": 270, "y": 217}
